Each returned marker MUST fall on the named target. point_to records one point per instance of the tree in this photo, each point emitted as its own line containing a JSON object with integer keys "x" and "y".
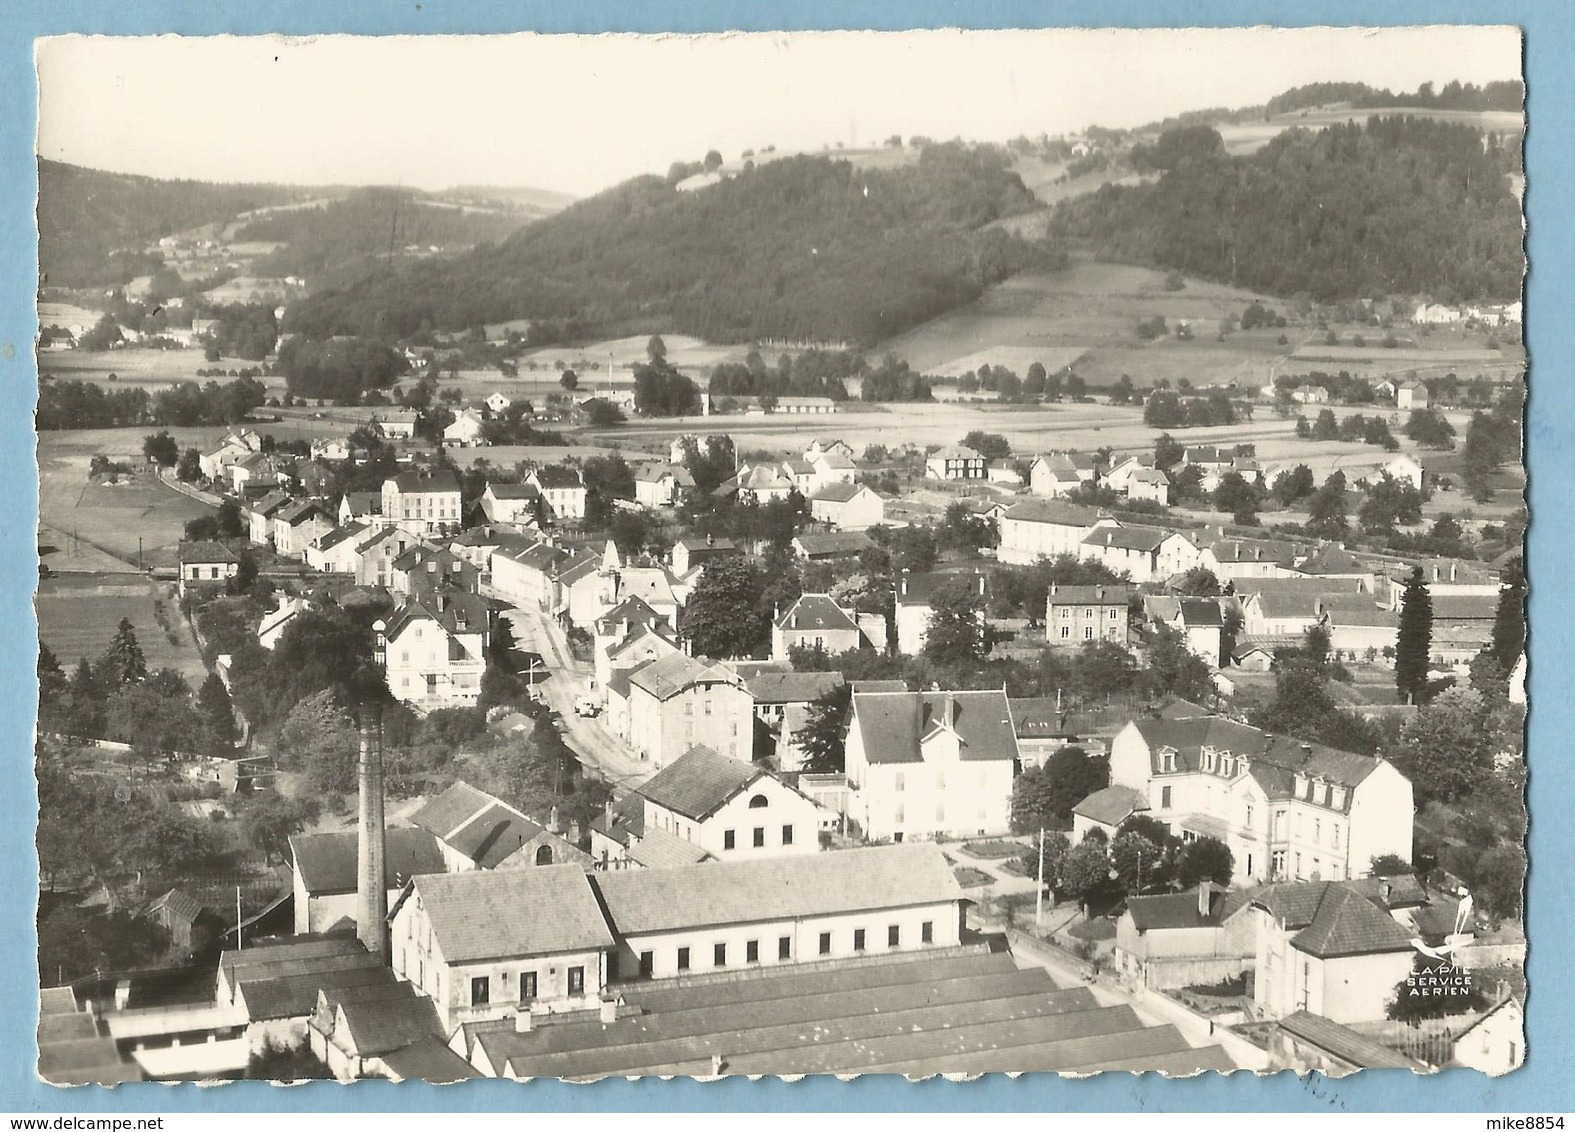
{"x": 1138, "y": 861}
{"x": 569, "y": 380}
{"x": 1390, "y": 865}
{"x": 270, "y": 819}
{"x": 713, "y": 161}
{"x": 1086, "y": 870}
{"x": 602, "y": 413}
{"x": 1434, "y": 988}
{"x": 51, "y": 678}
{"x": 1235, "y": 494}
{"x": 823, "y": 735}
{"x": 1447, "y": 748}
{"x": 723, "y": 617}
{"x": 1198, "y": 582}
{"x": 1174, "y": 669}
{"x": 1206, "y": 858}
{"x": 228, "y": 518}
{"x": 319, "y": 737}
{"x": 1168, "y": 452}
{"x": 1326, "y": 427}
{"x": 213, "y": 704}
{"x": 1389, "y": 503}
{"x": 957, "y": 631}
{"x": 1414, "y": 643}
{"x": 656, "y": 350}
{"x": 123, "y": 662}
{"x": 1509, "y": 620}
{"x": 990, "y": 445}
{"x": 1430, "y": 429}
{"x": 161, "y": 449}
{"x": 189, "y": 467}
{"x": 1043, "y": 797}
{"x": 1500, "y": 880}
{"x": 1327, "y": 508}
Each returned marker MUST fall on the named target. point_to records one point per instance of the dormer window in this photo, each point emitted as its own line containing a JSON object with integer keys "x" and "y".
{"x": 1337, "y": 797}
{"x": 1209, "y": 759}
{"x": 1167, "y": 759}
{"x": 1227, "y": 764}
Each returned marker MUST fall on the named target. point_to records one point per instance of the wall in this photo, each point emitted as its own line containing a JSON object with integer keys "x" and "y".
{"x": 663, "y": 730}
{"x": 784, "y": 807}
{"x": 803, "y": 934}
{"x": 1382, "y": 810}
{"x": 1356, "y": 989}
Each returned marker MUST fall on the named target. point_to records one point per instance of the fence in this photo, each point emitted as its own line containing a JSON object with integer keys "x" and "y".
{"x": 1170, "y": 973}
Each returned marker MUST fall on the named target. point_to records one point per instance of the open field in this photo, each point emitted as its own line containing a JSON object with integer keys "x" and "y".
{"x": 1248, "y": 137}
{"x": 115, "y": 517}
{"x": 77, "y": 615}
{"x": 132, "y": 365}
{"x": 1092, "y": 307}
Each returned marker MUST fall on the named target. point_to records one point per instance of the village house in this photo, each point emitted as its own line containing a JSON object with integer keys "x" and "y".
{"x": 801, "y": 473}
{"x": 926, "y": 764}
{"x": 422, "y": 504}
{"x": 395, "y": 424}
{"x": 679, "y": 702}
{"x": 662, "y": 485}
{"x": 815, "y": 621}
{"x": 1201, "y": 936}
{"x": 376, "y": 550}
{"x": 1232, "y": 558}
{"x": 761, "y": 484}
{"x": 1331, "y": 560}
{"x": 835, "y": 466}
{"x": 424, "y": 570}
{"x": 1149, "y": 484}
{"x": 1004, "y": 472}
{"x": 562, "y": 489}
{"x": 802, "y": 908}
{"x": 1407, "y": 469}
{"x": 1054, "y": 475}
{"x": 206, "y": 564}
{"x": 466, "y": 430}
{"x": 1117, "y": 477}
{"x": 1145, "y": 554}
{"x": 956, "y": 462}
{"x": 485, "y": 945}
{"x": 914, "y": 608}
{"x": 1286, "y": 810}
{"x": 831, "y": 545}
{"x": 1075, "y": 614}
{"x": 1199, "y": 620}
{"x": 475, "y": 830}
{"x": 334, "y": 552}
{"x": 433, "y": 650}
{"x": 774, "y": 691}
{"x": 1496, "y": 1042}
{"x": 825, "y": 445}
{"x": 361, "y": 507}
{"x": 847, "y": 507}
{"x": 691, "y": 553}
{"x": 325, "y": 872}
{"x": 729, "y": 808}
{"x": 514, "y": 503}
{"x": 498, "y": 403}
{"x": 801, "y": 405}
{"x": 297, "y": 524}
{"x": 1411, "y": 395}
{"x": 651, "y": 582}
{"x": 331, "y": 448}
{"x": 524, "y": 577}
{"x": 1037, "y": 529}
{"x": 274, "y": 623}
{"x": 234, "y": 446}
{"x": 1333, "y": 949}
{"x": 1106, "y": 810}
{"x": 622, "y": 623}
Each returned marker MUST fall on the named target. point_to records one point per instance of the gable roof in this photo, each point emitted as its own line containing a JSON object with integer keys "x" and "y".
{"x": 512, "y": 490}
{"x": 781, "y": 888}
{"x": 206, "y": 553}
{"x": 1055, "y": 512}
{"x": 326, "y": 862}
{"x": 442, "y": 480}
{"x": 956, "y": 452}
{"x": 1337, "y": 919}
{"x": 666, "y": 676}
{"x": 1201, "y": 612}
{"x": 1113, "y": 593}
{"x": 1331, "y": 558}
{"x": 1174, "y": 910}
{"x": 1272, "y": 760}
{"x": 1343, "y": 1042}
{"x": 816, "y": 611}
{"x": 833, "y": 542}
{"x": 699, "y": 782}
{"x": 918, "y": 589}
{"x": 495, "y": 834}
{"x": 451, "y": 809}
{"x": 791, "y": 687}
{"x": 558, "y": 475}
{"x": 493, "y": 915}
{"x": 893, "y": 724}
{"x": 1144, "y": 539}
{"x": 1112, "y": 805}
{"x": 838, "y": 493}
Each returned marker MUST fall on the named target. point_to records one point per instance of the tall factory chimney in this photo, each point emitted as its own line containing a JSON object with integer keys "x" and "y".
{"x": 371, "y": 904}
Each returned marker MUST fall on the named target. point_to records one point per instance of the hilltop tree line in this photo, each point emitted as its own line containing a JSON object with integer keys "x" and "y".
{"x": 83, "y": 404}
{"x": 805, "y": 247}
{"x": 1454, "y": 95}
{"x": 1398, "y": 204}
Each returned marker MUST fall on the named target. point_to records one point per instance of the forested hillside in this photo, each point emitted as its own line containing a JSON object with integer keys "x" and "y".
{"x": 803, "y": 247}
{"x": 341, "y": 236}
{"x": 1399, "y": 205}
{"x": 84, "y": 215}
{"x": 1453, "y": 95}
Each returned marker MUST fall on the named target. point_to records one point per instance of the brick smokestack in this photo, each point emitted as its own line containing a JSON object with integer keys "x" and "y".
{"x": 371, "y": 903}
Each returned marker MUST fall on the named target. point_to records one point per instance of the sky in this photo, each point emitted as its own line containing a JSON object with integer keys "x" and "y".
{"x": 576, "y": 114}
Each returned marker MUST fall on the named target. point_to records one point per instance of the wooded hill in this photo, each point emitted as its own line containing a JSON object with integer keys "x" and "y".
{"x": 1398, "y": 205}
{"x": 85, "y": 215}
{"x": 803, "y": 247}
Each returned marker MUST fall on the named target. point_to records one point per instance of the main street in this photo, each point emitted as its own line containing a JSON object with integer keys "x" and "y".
{"x": 561, "y": 681}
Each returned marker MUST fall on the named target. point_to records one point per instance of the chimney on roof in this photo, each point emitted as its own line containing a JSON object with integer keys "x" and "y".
{"x": 1383, "y": 891}
{"x": 573, "y": 835}
{"x": 609, "y": 1010}
{"x": 1205, "y": 898}
{"x": 371, "y": 921}
{"x": 523, "y": 1022}
{"x": 552, "y": 820}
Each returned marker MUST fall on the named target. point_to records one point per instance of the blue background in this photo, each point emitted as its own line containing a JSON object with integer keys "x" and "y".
{"x": 1543, "y": 1085}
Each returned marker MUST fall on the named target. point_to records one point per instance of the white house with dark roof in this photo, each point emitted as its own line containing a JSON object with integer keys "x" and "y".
{"x": 1044, "y": 528}
{"x": 297, "y": 524}
{"x": 847, "y": 506}
{"x": 1205, "y": 934}
{"x": 422, "y": 504}
{"x": 1199, "y": 620}
{"x": 1149, "y": 484}
{"x": 913, "y": 603}
{"x": 395, "y": 424}
{"x": 804, "y": 908}
{"x": 832, "y": 467}
{"x": 562, "y": 489}
{"x": 1287, "y": 810}
{"x": 1145, "y": 554}
{"x": 1054, "y": 474}
{"x": 1231, "y": 558}
{"x": 831, "y": 545}
{"x": 662, "y": 485}
{"x": 922, "y": 764}
{"x": 815, "y": 621}
{"x": 727, "y": 808}
{"x": 678, "y": 702}
{"x": 206, "y": 564}
{"x": 1334, "y": 949}
{"x": 433, "y": 649}
{"x": 233, "y": 446}
{"x": 334, "y": 552}
{"x": 360, "y": 506}
{"x": 511, "y": 503}
{"x": 487, "y": 945}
